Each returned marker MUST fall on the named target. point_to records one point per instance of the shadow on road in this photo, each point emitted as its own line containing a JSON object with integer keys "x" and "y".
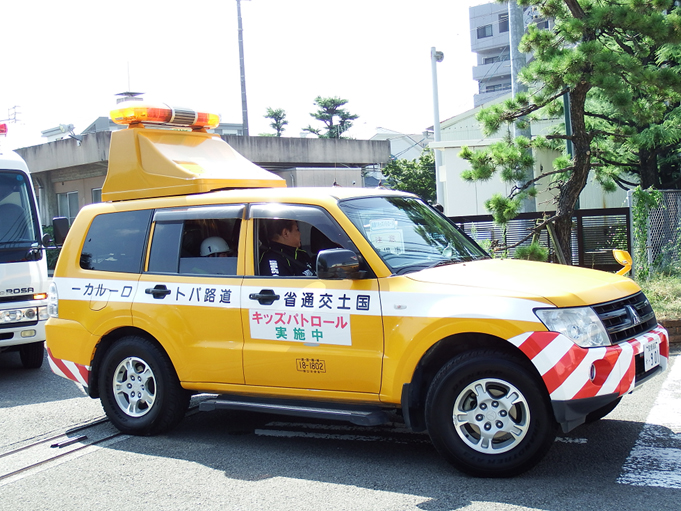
{"x": 19, "y": 386}
{"x": 580, "y": 471}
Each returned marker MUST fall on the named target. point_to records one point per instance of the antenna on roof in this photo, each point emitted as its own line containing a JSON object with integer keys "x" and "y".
{"x": 129, "y": 96}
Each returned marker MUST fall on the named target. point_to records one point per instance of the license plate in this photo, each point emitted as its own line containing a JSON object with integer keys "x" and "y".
{"x": 651, "y": 355}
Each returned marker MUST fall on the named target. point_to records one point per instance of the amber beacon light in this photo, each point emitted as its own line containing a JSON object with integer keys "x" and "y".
{"x": 132, "y": 113}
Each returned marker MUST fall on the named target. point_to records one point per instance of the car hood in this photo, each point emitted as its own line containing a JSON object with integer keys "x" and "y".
{"x": 563, "y": 286}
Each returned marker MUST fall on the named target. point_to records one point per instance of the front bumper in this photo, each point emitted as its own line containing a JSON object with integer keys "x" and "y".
{"x": 582, "y": 380}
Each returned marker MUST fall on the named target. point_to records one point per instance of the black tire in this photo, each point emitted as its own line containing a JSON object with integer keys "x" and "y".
{"x": 602, "y": 411}
{"x": 139, "y": 388}
{"x": 32, "y": 355}
{"x": 490, "y": 436}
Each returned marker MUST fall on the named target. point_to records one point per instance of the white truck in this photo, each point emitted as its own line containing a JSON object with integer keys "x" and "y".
{"x": 23, "y": 264}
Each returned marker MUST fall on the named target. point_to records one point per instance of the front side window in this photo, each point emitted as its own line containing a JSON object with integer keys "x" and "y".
{"x": 408, "y": 234}
{"x": 116, "y": 242}
{"x": 290, "y": 236}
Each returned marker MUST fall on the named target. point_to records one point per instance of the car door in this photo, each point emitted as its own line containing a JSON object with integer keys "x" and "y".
{"x": 190, "y": 302}
{"x": 302, "y": 332}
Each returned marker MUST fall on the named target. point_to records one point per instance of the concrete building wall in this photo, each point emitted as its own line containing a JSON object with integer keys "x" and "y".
{"x": 339, "y": 176}
{"x": 70, "y": 165}
{"x": 463, "y": 198}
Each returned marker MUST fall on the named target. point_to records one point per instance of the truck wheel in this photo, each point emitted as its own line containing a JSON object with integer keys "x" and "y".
{"x": 139, "y": 389}
{"x": 602, "y": 411}
{"x": 486, "y": 415}
{"x": 32, "y": 355}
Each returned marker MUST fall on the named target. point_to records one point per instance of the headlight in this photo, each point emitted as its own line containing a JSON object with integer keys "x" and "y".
{"x": 581, "y": 325}
{"x": 53, "y": 301}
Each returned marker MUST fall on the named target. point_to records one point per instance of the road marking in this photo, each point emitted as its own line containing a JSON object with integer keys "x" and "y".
{"x": 655, "y": 459}
{"x": 567, "y": 440}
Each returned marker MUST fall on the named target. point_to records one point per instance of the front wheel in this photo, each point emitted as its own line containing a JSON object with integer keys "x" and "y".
{"x": 139, "y": 389}
{"x": 32, "y": 355}
{"x": 486, "y": 415}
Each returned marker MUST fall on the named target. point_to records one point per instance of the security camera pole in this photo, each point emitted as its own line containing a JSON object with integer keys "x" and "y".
{"x": 435, "y": 57}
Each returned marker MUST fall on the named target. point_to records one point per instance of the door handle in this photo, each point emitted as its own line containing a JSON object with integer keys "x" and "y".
{"x": 264, "y": 297}
{"x": 159, "y": 291}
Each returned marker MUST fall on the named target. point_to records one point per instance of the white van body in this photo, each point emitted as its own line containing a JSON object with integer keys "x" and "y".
{"x": 23, "y": 264}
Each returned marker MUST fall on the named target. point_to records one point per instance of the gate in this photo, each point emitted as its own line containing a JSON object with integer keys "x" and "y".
{"x": 595, "y": 232}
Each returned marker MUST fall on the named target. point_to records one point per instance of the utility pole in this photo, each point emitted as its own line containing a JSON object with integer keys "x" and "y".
{"x": 516, "y": 27}
{"x": 244, "y": 106}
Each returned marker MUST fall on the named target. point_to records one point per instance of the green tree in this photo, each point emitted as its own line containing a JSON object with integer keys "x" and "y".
{"x": 415, "y": 176}
{"x": 597, "y": 55}
{"x": 337, "y": 120}
{"x": 278, "y": 117}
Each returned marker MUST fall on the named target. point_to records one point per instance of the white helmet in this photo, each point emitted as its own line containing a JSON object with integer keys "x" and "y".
{"x": 213, "y": 245}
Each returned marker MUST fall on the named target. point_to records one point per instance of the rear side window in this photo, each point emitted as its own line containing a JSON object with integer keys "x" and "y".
{"x": 196, "y": 241}
{"x": 116, "y": 242}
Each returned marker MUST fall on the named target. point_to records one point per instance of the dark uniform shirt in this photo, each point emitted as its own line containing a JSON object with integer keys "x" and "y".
{"x": 285, "y": 261}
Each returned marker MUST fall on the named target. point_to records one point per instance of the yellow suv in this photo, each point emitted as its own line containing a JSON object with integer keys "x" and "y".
{"x": 400, "y": 313}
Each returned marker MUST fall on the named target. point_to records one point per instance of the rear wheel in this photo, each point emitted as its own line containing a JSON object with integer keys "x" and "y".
{"x": 32, "y": 355}
{"x": 139, "y": 389}
{"x": 486, "y": 415}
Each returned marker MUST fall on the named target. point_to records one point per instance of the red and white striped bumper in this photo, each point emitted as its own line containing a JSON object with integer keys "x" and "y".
{"x": 572, "y": 372}
{"x": 71, "y": 370}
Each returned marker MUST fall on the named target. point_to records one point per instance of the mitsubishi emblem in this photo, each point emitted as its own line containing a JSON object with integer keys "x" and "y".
{"x": 633, "y": 315}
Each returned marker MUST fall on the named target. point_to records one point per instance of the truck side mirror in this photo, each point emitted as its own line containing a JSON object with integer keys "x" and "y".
{"x": 337, "y": 264}
{"x": 60, "y": 226}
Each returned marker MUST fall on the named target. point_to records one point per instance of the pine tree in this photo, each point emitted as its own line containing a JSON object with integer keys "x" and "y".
{"x": 278, "y": 117}
{"x": 611, "y": 60}
{"x": 336, "y": 119}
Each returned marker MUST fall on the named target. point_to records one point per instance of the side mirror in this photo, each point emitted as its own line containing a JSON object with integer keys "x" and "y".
{"x": 60, "y": 226}
{"x": 624, "y": 258}
{"x": 46, "y": 240}
{"x": 337, "y": 264}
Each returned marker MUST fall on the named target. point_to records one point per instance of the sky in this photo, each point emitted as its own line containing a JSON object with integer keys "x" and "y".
{"x": 64, "y": 62}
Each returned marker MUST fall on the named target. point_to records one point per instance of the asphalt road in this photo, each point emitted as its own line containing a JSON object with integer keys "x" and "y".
{"x": 223, "y": 460}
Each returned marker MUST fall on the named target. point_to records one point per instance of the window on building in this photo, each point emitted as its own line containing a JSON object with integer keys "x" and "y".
{"x": 498, "y": 87}
{"x": 96, "y": 195}
{"x": 503, "y": 22}
{"x": 485, "y": 31}
{"x": 67, "y": 205}
{"x": 543, "y": 25}
{"x": 498, "y": 58}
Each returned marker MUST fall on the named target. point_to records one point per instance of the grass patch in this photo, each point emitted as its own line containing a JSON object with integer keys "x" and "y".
{"x": 664, "y": 294}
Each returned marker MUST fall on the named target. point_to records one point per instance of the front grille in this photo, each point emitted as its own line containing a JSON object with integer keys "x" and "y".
{"x": 15, "y": 298}
{"x": 20, "y": 324}
{"x": 626, "y": 318}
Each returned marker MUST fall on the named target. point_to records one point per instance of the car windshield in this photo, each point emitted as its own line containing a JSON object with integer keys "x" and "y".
{"x": 408, "y": 234}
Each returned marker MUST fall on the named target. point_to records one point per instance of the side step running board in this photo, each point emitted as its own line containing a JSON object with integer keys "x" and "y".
{"x": 356, "y": 414}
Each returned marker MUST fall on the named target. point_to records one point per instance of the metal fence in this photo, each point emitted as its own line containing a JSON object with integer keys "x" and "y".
{"x": 663, "y": 243}
{"x": 595, "y": 232}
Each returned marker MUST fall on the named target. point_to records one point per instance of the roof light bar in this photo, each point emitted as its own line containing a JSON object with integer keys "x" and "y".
{"x": 133, "y": 112}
